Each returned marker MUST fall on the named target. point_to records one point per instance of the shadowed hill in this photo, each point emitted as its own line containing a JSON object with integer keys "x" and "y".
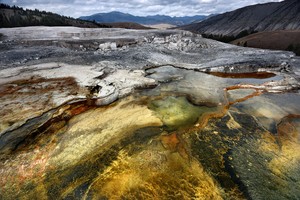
{"x": 283, "y": 15}
{"x": 277, "y": 40}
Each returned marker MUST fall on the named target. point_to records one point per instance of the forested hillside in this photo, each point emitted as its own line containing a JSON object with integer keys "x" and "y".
{"x": 13, "y": 16}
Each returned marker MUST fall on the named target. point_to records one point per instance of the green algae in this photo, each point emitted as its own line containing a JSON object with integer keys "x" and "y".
{"x": 177, "y": 112}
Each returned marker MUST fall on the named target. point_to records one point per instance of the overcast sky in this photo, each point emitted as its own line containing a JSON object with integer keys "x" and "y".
{"x": 77, "y": 8}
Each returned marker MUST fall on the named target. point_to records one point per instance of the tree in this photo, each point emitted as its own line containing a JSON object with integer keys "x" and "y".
{"x": 290, "y": 47}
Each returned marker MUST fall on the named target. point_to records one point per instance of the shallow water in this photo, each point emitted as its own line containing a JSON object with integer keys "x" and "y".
{"x": 188, "y": 138}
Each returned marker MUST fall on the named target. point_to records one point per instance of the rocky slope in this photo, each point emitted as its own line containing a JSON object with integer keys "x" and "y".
{"x": 262, "y": 17}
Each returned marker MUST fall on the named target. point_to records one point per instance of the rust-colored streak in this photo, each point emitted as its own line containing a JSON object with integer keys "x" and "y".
{"x": 207, "y": 116}
{"x": 173, "y": 142}
{"x": 27, "y": 98}
{"x": 79, "y": 109}
{"x": 256, "y": 75}
{"x": 203, "y": 121}
{"x": 33, "y": 154}
{"x": 246, "y": 86}
{"x": 55, "y": 124}
{"x": 254, "y": 94}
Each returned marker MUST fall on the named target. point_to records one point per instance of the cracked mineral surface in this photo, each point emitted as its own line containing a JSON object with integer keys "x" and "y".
{"x": 145, "y": 114}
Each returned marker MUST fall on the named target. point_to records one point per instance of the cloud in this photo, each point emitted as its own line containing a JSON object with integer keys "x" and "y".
{"x": 76, "y": 8}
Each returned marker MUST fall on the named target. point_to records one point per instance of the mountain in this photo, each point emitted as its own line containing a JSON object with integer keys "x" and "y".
{"x": 283, "y": 15}
{"x": 13, "y": 16}
{"x": 148, "y": 20}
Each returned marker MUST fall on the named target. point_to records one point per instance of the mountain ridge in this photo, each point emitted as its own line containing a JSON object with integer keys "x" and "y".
{"x": 116, "y": 16}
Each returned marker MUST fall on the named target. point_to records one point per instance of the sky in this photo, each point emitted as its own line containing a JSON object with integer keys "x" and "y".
{"x": 77, "y": 8}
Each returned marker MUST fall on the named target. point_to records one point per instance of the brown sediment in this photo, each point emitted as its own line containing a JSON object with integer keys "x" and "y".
{"x": 174, "y": 143}
{"x": 256, "y": 75}
{"x": 32, "y": 97}
{"x": 170, "y": 142}
{"x": 287, "y": 130}
{"x": 32, "y": 83}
